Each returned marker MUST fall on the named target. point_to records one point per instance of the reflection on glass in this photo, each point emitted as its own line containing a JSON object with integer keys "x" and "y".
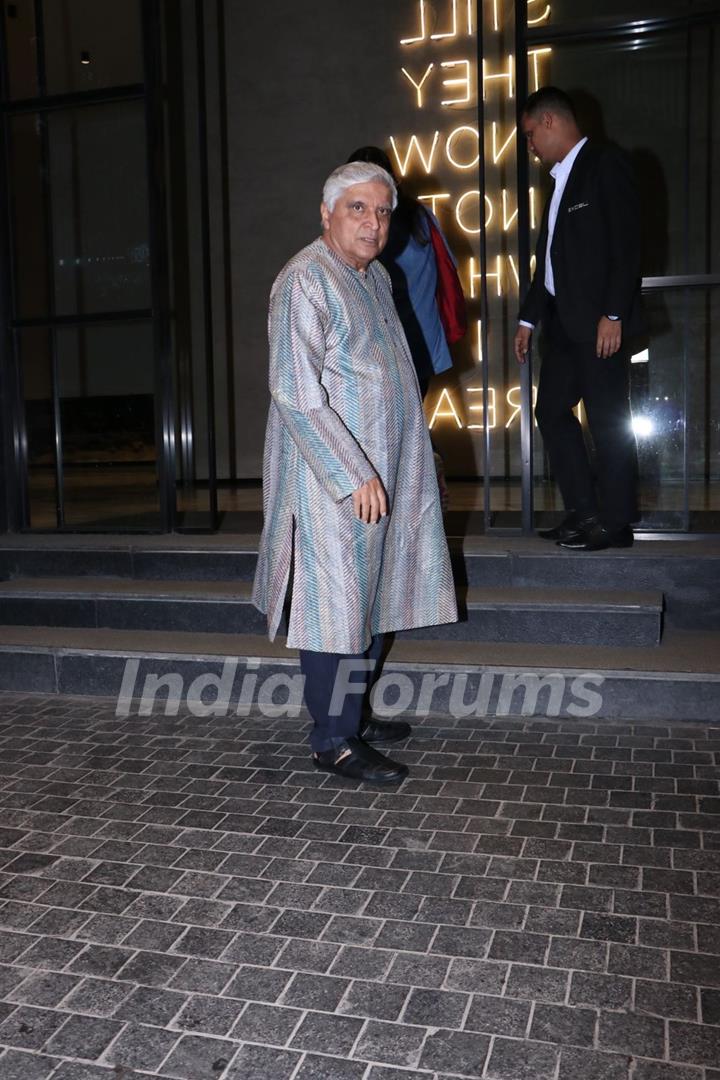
{"x": 603, "y": 76}
{"x": 106, "y": 387}
{"x": 657, "y": 393}
{"x": 36, "y": 383}
{"x": 703, "y": 150}
{"x": 680, "y": 360}
{"x": 567, "y": 12}
{"x": 30, "y": 238}
{"x": 20, "y": 49}
{"x": 89, "y": 45}
{"x": 92, "y": 44}
{"x": 98, "y": 205}
{"x": 105, "y": 381}
{"x": 672, "y": 76}
{"x": 99, "y": 208}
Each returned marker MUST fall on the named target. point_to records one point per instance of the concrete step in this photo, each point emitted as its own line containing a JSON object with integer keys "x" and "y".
{"x": 172, "y": 558}
{"x": 687, "y": 572}
{"x": 679, "y": 680}
{"x": 565, "y": 616}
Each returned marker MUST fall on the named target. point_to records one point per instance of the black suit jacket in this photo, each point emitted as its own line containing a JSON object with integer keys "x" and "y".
{"x": 595, "y": 248}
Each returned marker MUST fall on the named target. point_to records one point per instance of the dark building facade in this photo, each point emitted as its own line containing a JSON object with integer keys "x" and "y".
{"x": 161, "y": 161}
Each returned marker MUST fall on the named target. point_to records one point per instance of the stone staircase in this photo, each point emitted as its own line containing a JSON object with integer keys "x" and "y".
{"x": 641, "y": 627}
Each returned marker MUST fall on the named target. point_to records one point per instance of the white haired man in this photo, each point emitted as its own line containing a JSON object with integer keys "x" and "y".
{"x": 353, "y": 535}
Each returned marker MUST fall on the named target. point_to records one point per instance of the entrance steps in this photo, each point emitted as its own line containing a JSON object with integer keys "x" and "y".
{"x": 566, "y": 616}
{"x": 640, "y": 626}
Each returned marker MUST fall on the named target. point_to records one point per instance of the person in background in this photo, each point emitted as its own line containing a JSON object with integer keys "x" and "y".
{"x": 353, "y": 532}
{"x": 409, "y": 259}
{"x": 586, "y": 294}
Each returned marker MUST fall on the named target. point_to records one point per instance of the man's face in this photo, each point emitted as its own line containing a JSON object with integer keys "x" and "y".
{"x": 541, "y": 135}
{"x": 357, "y": 228}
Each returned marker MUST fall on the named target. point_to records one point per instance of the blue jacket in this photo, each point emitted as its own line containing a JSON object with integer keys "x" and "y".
{"x": 413, "y": 273}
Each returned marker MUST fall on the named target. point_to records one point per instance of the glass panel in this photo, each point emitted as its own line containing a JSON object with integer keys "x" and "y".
{"x": 29, "y": 232}
{"x": 106, "y": 387}
{"x": 21, "y": 49}
{"x": 36, "y": 375}
{"x": 684, "y": 327}
{"x": 101, "y": 256}
{"x": 676, "y": 164}
{"x": 99, "y": 208}
{"x": 658, "y": 404}
{"x": 703, "y": 330}
{"x": 91, "y": 44}
{"x": 703, "y": 145}
{"x": 603, "y": 76}
{"x": 589, "y": 12}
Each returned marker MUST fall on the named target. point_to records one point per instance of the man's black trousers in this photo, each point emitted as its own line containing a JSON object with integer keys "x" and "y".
{"x": 336, "y": 710}
{"x": 571, "y": 371}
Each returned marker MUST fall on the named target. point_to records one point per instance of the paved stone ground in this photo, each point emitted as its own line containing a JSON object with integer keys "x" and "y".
{"x": 183, "y": 898}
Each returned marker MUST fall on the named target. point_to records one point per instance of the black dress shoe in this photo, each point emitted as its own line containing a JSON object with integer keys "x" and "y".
{"x": 383, "y": 731}
{"x": 362, "y": 762}
{"x": 598, "y": 537}
{"x": 569, "y": 524}
{"x": 573, "y": 525}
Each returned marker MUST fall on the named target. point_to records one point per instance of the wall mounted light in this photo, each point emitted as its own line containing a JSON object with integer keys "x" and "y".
{"x": 643, "y": 426}
{"x": 85, "y": 57}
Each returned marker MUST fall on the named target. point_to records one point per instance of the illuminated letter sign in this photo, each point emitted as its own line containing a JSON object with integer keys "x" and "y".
{"x": 442, "y": 159}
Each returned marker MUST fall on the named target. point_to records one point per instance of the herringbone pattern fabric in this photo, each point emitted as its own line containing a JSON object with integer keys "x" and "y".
{"x": 346, "y": 407}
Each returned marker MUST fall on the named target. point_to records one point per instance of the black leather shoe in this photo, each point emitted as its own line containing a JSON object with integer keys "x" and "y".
{"x": 362, "y": 762}
{"x": 569, "y": 524}
{"x": 598, "y": 537}
{"x": 383, "y": 731}
{"x": 570, "y": 527}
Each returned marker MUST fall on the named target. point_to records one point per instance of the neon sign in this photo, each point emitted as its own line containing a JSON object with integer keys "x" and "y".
{"x": 440, "y": 71}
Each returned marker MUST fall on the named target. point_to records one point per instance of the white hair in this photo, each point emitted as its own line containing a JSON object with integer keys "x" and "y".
{"x": 356, "y": 172}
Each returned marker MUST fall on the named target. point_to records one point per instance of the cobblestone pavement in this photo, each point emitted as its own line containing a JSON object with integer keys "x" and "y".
{"x": 184, "y": 897}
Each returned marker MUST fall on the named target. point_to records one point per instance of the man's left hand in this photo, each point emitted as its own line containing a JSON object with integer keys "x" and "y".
{"x": 370, "y": 502}
{"x": 609, "y": 337}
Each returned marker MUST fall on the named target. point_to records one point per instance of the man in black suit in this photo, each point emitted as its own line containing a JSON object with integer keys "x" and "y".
{"x": 586, "y": 294}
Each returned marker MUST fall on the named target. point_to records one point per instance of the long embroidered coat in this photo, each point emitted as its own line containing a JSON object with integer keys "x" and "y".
{"x": 346, "y": 407}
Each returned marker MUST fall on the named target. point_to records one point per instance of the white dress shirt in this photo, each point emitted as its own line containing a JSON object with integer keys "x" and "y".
{"x": 560, "y": 173}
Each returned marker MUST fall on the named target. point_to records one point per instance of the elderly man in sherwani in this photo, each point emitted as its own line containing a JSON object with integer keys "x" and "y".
{"x": 353, "y": 541}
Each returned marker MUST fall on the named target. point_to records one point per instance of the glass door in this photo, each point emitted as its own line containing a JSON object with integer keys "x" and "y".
{"x": 93, "y": 440}
{"x": 650, "y": 85}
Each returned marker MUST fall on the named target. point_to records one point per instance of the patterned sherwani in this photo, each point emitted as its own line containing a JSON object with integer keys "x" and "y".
{"x": 345, "y": 408}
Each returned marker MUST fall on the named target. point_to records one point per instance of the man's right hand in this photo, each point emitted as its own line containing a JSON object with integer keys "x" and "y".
{"x": 521, "y": 343}
{"x": 370, "y": 501}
